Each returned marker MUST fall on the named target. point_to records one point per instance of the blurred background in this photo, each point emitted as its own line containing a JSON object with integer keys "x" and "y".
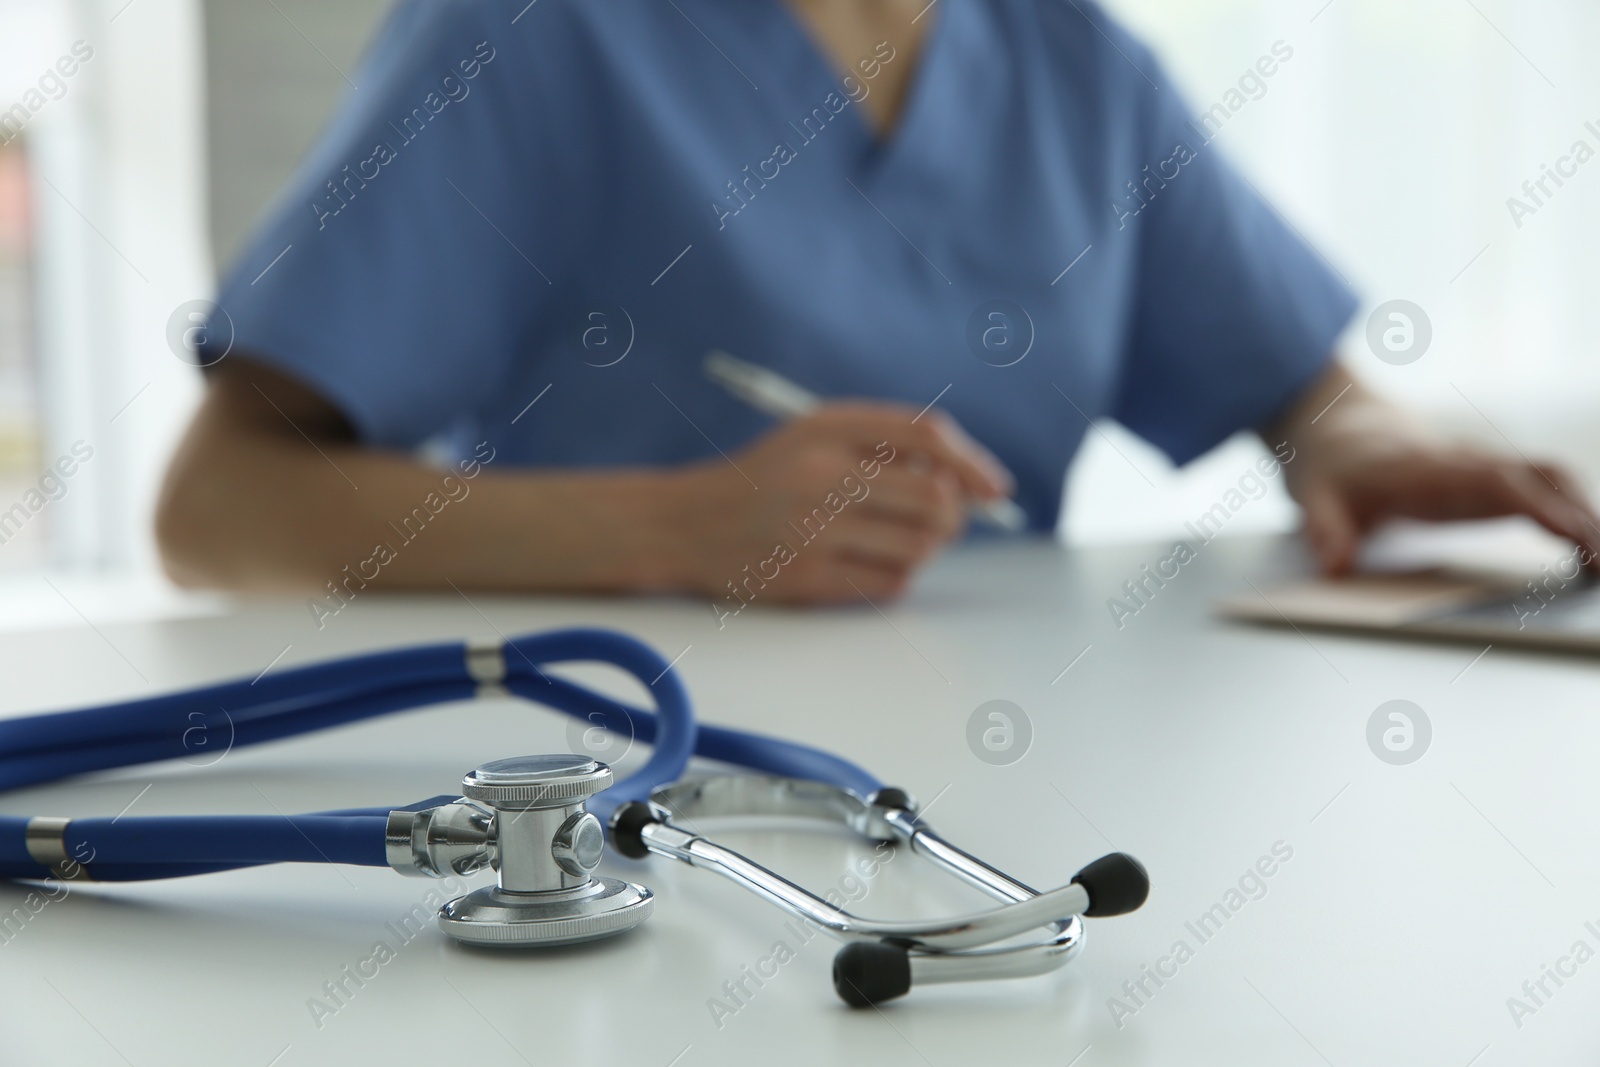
{"x": 1392, "y": 139}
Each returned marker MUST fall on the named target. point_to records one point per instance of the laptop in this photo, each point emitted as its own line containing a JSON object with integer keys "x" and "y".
{"x": 1501, "y": 583}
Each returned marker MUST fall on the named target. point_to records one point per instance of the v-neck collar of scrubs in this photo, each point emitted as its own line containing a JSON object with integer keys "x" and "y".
{"x": 874, "y": 152}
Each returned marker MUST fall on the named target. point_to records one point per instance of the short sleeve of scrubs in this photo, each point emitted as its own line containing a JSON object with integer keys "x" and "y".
{"x": 1233, "y": 313}
{"x": 402, "y": 270}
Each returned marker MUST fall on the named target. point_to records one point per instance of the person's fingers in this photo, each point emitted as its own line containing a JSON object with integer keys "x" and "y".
{"x": 884, "y": 541}
{"x": 979, "y": 469}
{"x": 1563, "y": 481}
{"x": 1566, "y": 484}
{"x": 931, "y": 434}
{"x": 904, "y": 519}
{"x": 930, "y": 499}
{"x": 1525, "y": 489}
{"x": 1331, "y": 528}
{"x": 1473, "y": 486}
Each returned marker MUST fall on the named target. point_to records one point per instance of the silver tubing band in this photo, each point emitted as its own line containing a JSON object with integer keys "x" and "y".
{"x": 486, "y": 665}
{"x": 397, "y": 848}
{"x": 46, "y": 839}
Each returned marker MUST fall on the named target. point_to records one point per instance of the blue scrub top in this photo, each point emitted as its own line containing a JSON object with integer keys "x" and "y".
{"x": 575, "y": 200}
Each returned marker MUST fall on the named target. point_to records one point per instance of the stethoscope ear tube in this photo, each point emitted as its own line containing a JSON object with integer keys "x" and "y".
{"x": 868, "y": 973}
{"x": 882, "y": 959}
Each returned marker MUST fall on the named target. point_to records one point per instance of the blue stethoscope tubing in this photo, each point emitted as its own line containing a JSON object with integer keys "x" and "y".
{"x": 45, "y": 748}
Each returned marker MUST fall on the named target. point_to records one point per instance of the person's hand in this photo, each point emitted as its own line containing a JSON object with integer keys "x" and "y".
{"x": 846, "y": 502}
{"x": 1362, "y": 461}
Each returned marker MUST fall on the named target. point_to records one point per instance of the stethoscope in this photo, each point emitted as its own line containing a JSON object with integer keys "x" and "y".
{"x": 540, "y": 821}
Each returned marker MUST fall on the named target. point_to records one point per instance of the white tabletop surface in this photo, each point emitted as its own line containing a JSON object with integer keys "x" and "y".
{"x": 1417, "y": 899}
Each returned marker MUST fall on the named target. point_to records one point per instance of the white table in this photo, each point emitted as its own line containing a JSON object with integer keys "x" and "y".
{"x": 1418, "y": 898}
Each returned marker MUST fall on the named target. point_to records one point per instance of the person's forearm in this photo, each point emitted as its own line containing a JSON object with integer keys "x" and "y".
{"x": 271, "y": 514}
{"x": 271, "y": 490}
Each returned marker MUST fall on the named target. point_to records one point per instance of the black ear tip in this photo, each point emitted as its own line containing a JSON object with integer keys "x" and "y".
{"x": 627, "y": 828}
{"x": 869, "y": 972}
{"x": 1116, "y": 883}
{"x": 891, "y": 797}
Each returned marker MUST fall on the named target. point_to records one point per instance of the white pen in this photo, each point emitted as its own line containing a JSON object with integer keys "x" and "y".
{"x": 777, "y": 396}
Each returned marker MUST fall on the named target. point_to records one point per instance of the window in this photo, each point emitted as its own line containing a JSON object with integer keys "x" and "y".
{"x": 20, "y": 541}
{"x": 102, "y": 236}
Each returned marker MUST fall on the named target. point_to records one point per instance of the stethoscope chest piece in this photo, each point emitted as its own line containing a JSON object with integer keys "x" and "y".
{"x": 546, "y": 848}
